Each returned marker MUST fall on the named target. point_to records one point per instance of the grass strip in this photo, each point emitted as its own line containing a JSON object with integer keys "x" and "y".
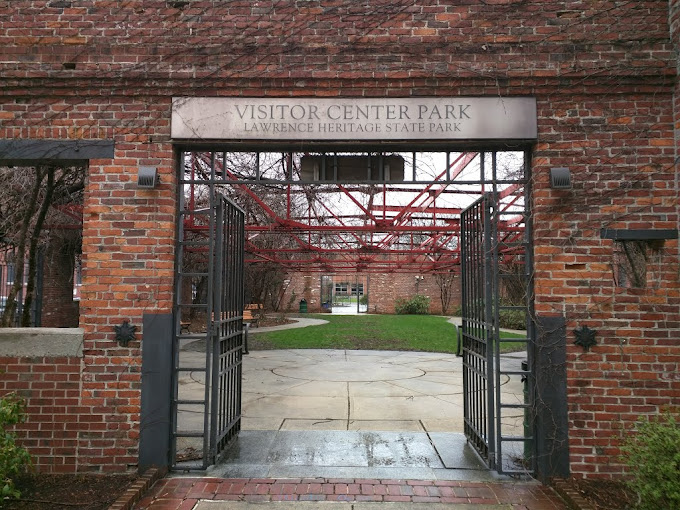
{"x": 426, "y": 333}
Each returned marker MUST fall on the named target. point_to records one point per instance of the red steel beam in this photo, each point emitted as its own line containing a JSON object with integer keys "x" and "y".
{"x": 430, "y": 210}
{"x": 396, "y": 249}
{"x": 292, "y": 227}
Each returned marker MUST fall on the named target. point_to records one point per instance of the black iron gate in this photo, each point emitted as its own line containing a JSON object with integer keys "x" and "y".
{"x": 477, "y": 331}
{"x": 497, "y": 376}
{"x": 208, "y": 346}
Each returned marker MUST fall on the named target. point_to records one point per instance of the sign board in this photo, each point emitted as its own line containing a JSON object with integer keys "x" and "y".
{"x": 278, "y": 119}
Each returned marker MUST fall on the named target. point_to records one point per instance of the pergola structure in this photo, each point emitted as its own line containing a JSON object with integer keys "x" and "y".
{"x": 370, "y": 220}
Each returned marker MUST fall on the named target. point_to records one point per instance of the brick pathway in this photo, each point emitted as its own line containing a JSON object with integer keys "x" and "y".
{"x": 183, "y": 493}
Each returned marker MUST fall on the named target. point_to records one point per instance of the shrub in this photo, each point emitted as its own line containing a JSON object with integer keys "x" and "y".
{"x": 507, "y": 319}
{"x": 13, "y": 459}
{"x": 653, "y": 456}
{"x": 415, "y": 305}
{"x": 512, "y": 319}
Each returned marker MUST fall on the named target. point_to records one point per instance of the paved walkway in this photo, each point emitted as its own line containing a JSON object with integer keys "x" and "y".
{"x": 400, "y": 414}
{"x": 362, "y": 427}
{"x": 412, "y": 393}
{"x": 300, "y": 322}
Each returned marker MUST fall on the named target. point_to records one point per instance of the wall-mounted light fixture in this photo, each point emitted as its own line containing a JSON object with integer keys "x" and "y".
{"x": 560, "y": 178}
{"x": 147, "y": 177}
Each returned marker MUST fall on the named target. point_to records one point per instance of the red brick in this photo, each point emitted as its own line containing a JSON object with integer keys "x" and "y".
{"x": 612, "y": 125}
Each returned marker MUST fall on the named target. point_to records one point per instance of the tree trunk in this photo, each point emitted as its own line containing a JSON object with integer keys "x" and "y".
{"x": 33, "y": 249}
{"x": 20, "y": 254}
{"x": 445, "y": 283}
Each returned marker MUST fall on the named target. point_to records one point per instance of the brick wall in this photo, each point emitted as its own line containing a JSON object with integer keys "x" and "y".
{"x": 59, "y": 309}
{"x": 605, "y": 89}
{"x": 128, "y": 255}
{"x": 382, "y": 290}
{"x": 128, "y": 261}
{"x": 45, "y": 369}
{"x": 623, "y": 177}
{"x": 302, "y": 286}
{"x": 315, "y": 40}
{"x": 388, "y": 287}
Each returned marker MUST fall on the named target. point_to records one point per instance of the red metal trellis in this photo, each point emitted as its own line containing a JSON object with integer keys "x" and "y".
{"x": 419, "y": 236}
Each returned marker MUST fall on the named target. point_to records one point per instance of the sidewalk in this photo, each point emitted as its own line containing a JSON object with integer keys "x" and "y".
{"x": 180, "y": 493}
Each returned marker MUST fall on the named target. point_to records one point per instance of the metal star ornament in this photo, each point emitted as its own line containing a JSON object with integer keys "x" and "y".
{"x": 124, "y": 333}
{"x": 585, "y": 337}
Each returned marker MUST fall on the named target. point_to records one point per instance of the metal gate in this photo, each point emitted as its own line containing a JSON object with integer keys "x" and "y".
{"x": 208, "y": 340}
{"x": 497, "y": 379}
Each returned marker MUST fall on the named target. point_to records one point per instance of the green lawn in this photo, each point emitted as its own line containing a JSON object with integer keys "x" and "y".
{"x": 426, "y": 333}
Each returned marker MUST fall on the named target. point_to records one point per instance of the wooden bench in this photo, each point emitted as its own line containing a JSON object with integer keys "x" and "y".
{"x": 252, "y": 313}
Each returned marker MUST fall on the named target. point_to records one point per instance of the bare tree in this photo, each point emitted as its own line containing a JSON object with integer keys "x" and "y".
{"x": 26, "y": 195}
{"x": 445, "y": 283}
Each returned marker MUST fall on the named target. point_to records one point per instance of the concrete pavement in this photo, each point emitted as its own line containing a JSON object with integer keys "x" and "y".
{"x": 368, "y": 430}
{"x": 299, "y": 322}
{"x": 385, "y": 414}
